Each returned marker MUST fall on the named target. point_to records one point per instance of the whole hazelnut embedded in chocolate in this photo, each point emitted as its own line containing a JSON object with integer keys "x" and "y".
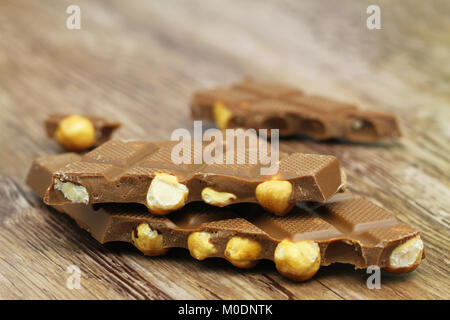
{"x": 147, "y": 240}
{"x": 200, "y": 245}
{"x": 299, "y": 260}
{"x": 166, "y": 194}
{"x": 274, "y": 196}
{"x": 406, "y": 256}
{"x": 75, "y": 133}
{"x": 222, "y": 115}
{"x": 242, "y": 252}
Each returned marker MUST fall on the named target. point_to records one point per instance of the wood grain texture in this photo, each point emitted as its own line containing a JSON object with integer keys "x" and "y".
{"x": 140, "y": 61}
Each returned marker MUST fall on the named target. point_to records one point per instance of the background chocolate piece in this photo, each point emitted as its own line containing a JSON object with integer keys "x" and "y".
{"x": 349, "y": 230}
{"x": 261, "y": 105}
{"x": 103, "y": 127}
{"x": 122, "y": 172}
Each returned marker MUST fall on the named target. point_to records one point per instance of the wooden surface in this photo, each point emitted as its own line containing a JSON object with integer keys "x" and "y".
{"x": 140, "y": 61}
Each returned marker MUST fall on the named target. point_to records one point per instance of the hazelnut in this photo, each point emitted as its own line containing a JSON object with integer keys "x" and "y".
{"x": 148, "y": 241}
{"x": 274, "y": 196}
{"x": 299, "y": 260}
{"x": 75, "y": 133}
{"x": 406, "y": 256}
{"x": 200, "y": 245}
{"x": 217, "y": 198}
{"x": 73, "y": 192}
{"x": 221, "y": 115}
{"x": 357, "y": 124}
{"x": 242, "y": 252}
{"x": 166, "y": 194}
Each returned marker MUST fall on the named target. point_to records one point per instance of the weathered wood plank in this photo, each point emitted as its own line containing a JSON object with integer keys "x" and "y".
{"x": 140, "y": 61}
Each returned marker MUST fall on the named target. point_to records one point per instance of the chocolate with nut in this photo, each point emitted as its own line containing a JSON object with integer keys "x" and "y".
{"x": 258, "y": 105}
{"x": 144, "y": 172}
{"x": 346, "y": 229}
{"x": 103, "y": 128}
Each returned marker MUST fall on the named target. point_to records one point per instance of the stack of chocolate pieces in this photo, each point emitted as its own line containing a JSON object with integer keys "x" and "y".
{"x": 301, "y": 217}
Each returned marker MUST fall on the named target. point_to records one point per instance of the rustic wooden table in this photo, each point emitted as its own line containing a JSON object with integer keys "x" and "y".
{"x": 140, "y": 61}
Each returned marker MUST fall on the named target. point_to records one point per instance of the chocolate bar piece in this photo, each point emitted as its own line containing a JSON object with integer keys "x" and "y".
{"x": 257, "y": 105}
{"x": 348, "y": 230}
{"x": 103, "y": 128}
{"x": 144, "y": 172}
